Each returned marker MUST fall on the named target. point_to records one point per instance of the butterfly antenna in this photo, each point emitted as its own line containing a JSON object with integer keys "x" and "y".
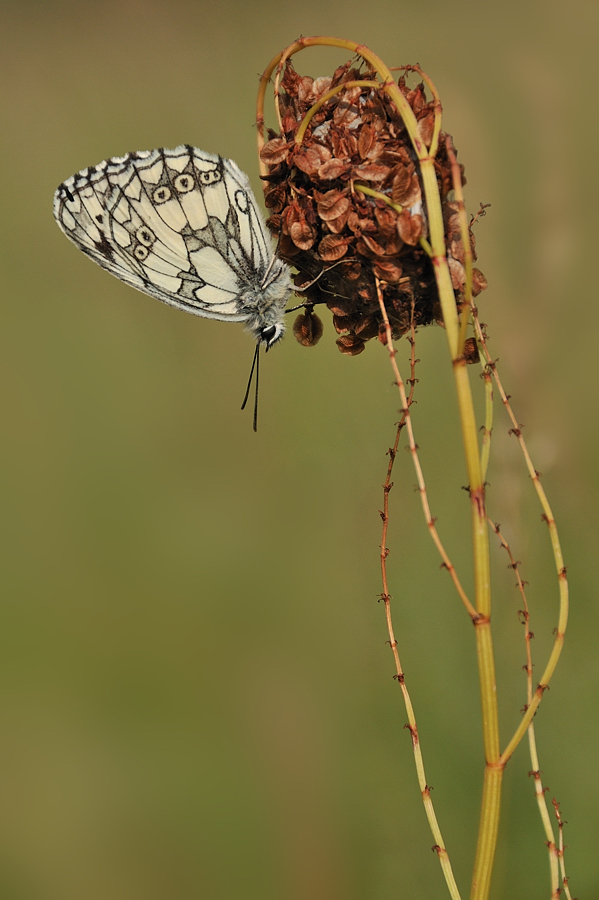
{"x": 256, "y": 366}
{"x": 257, "y": 383}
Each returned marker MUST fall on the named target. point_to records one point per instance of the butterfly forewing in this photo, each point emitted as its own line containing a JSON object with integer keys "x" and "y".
{"x": 181, "y": 225}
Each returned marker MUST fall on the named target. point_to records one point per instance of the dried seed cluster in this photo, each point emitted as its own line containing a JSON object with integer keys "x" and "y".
{"x": 326, "y": 224}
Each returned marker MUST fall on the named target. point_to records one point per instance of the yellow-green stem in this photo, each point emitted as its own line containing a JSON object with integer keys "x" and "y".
{"x": 344, "y": 86}
{"x": 487, "y": 832}
{"x": 477, "y": 465}
{"x": 370, "y": 192}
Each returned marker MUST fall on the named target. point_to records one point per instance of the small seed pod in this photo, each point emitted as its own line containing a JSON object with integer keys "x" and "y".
{"x": 350, "y": 344}
{"x": 307, "y": 328}
{"x": 471, "y": 354}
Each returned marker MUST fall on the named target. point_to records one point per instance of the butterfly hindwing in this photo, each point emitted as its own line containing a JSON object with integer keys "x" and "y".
{"x": 183, "y": 226}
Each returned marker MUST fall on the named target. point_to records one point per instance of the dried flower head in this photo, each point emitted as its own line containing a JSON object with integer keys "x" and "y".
{"x": 346, "y": 204}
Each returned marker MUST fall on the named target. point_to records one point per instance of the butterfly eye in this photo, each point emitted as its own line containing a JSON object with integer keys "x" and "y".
{"x": 184, "y": 183}
{"x": 140, "y": 252}
{"x": 161, "y": 194}
{"x": 270, "y": 334}
{"x": 145, "y": 236}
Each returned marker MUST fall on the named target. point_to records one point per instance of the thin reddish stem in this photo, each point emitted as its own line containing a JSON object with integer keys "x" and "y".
{"x": 430, "y": 520}
{"x": 532, "y": 743}
{"x": 516, "y": 430}
{"x": 439, "y": 846}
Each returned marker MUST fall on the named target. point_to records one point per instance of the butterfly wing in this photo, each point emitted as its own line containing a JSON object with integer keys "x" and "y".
{"x": 180, "y": 225}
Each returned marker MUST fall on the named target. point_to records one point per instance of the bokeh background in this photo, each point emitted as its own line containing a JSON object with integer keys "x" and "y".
{"x": 195, "y": 694}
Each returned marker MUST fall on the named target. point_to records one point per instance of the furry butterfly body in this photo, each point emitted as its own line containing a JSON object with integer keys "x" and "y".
{"x": 183, "y": 226}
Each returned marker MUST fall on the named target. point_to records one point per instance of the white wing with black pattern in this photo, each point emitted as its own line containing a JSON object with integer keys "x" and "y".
{"x": 183, "y": 226}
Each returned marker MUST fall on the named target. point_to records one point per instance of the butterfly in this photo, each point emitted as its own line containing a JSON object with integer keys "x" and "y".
{"x": 183, "y": 226}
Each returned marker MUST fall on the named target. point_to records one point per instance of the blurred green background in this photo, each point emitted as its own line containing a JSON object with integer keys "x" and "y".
{"x": 195, "y": 694}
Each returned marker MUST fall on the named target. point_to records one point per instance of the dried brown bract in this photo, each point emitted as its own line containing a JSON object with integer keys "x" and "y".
{"x": 347, "y": 206}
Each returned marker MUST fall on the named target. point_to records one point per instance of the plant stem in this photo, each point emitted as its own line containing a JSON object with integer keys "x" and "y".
{"x": 489, "y": 820}
{"x": 524, "y": 614}
{"x": 344, "y": 86}
{"x": 425, "y": 790}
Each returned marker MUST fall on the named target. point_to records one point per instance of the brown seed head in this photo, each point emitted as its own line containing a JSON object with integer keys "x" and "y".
{"x": 329, "y": 229}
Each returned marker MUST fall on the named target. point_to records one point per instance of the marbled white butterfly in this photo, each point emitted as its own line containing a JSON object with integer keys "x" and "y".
{"x": 183, "y": 226}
